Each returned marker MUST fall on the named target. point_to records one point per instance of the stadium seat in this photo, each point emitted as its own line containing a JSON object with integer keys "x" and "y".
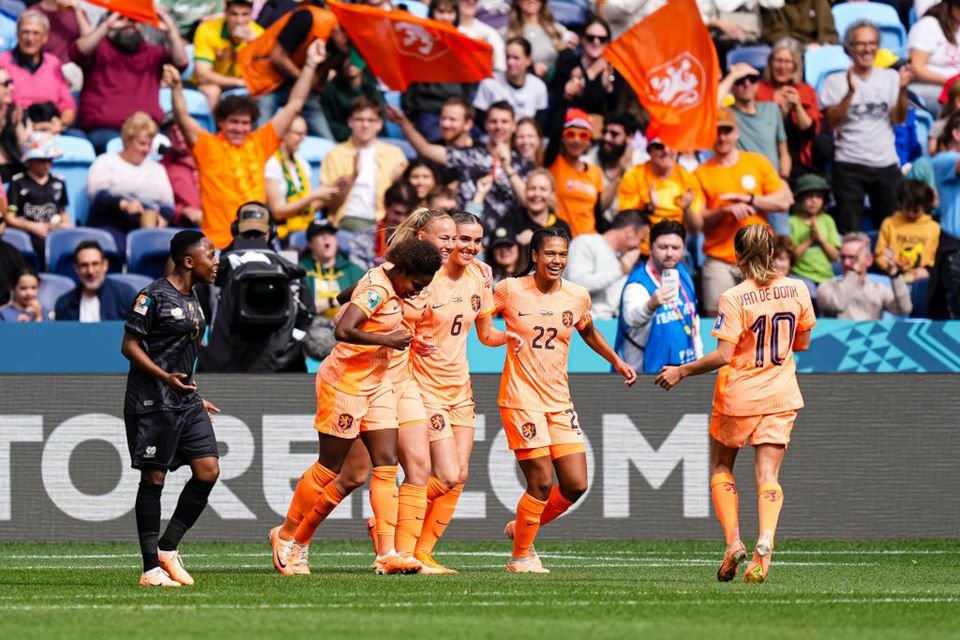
{"x": 188, "y": 72}
{"x": 135, "y": 280}
{"x": 197, "y": 106}
{"x": 404, "y": 145}
{"x": 72, "y": 166}
{"x": 297, "y": 240}
{"x": 754, "y": 55}
{"x": 21, "y": 240}
{"x": 418, "y": 9}
{"x": 148, "y": 250}
{"x": 8, "y": 32}
{"x": 392, "y": 130}
{"x": 61, "y": 243}
{"x": 115, "y": 145}
{"x": 892, "y": 34}
{"x": 569, "y": 14}
{"x": 821, "y": 62}
{"x": 52, "y": 286}
{"x": 314, "y": 149}
{"x": 924, "y": 122}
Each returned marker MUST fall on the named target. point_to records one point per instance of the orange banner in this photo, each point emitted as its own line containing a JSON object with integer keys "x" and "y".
{"x": 401, "y": 49}
{"x": 139, "y": 10}
{"x": 670, "y": 61}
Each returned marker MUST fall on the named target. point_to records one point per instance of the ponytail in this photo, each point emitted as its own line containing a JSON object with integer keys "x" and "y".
{"x": 754, "y": 247}
{"x": 414, "y": 224}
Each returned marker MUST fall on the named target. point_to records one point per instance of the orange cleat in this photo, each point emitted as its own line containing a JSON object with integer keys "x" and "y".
{"x": 756, "y": 572}
{"x": 281, "y": 552}
{"x": 300, "y": 559}
{"x": 157, "y": 577}
{"x": 431, "y": 567}
{"x": 732, "y": 557}
{"x": 526, "y": 564}
{"x": 394, "y": 562}
{"x": 172, "y": 564}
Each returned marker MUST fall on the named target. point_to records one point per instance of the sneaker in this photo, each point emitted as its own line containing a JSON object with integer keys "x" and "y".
{"x": 372, "y": 532}
{"x": 281, "y": 552}
{"x": 732, "y": 557}
{"x": 172, "y": 564}
{"x": 157, "y": 577}
{"x": 431, "y": 566}
{"x": 300, "y": 559}
{"x": 526, "y": 564}
{"x": 394, "y": 562}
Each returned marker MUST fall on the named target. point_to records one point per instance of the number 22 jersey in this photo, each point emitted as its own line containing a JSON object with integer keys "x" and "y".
{"x": 536, "y": 379}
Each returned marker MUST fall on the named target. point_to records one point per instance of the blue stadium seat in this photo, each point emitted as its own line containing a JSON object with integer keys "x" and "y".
{"x": 191, "y": 63}
{"x": 314, "y": 149}
{"x": 297, "y": 240}
{"x": 754, "y": 55}
{"x": 892, "y": 34}
{"x": 924, "y": 122}
{"x": 148, "y": 250}
{"x": 8, "y": 32}
{"x": 61, "y": 243}
{"x": 821, "y": 62}
{"x": 569, "y": 14}
{"x": 135, "y": 280}
{"x": 115, "y": 145}
{"x": 197, "y": 106}
{"x": 392, "y": 130}
{"x": 418, "y": 9}
{"x": 405, "y": 146}
{"x": 52, "y": 286}
{"x": 20, "y": 239}
{"x": 72, "y": 166}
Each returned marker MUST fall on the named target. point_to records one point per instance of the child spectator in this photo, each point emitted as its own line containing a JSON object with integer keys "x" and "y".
{"x": 45, "y": 117}
{"x": 813, "y": 233}
{"x": 37, "y": 200}
{"x": 784, "y": 255}
{"x": 24, "y": 305}
{"x": 329, "y": 271}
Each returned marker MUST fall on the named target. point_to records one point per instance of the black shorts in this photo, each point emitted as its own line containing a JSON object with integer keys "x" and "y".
{"x": 170, "y": 439}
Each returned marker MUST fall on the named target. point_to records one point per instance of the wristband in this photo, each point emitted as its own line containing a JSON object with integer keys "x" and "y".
{"x": 750, "y": 201}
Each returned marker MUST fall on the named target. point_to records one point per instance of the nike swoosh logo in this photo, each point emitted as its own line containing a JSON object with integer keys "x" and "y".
{"x": 523, "y": 314}
{"x": 437, "y": 306}
{"x": 279, "y": 562}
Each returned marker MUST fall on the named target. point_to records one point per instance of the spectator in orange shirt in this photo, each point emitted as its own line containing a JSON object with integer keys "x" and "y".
{"x": 231, "y": 163}
{"x": 579, "y": 184}
{"x": 740, "y": 188}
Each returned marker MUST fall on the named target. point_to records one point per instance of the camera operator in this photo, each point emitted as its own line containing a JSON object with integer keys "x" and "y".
{"x": 264, "y": 306}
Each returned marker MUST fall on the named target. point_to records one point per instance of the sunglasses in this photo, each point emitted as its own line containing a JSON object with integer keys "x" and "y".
{"x": 577, "y": 134}
{"x": 7, "y": 83}
{"x": 594, "y": 38}
{"x": 742, "y": 82}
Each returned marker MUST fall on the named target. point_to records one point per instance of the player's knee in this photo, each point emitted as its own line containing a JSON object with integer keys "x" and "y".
{"x": 540, "y": 487}
{"x": 350, "y": 480}
{"x": 573, "y": 490}
{"x": 153, "y": 477}
{"x": 210, "y": 473}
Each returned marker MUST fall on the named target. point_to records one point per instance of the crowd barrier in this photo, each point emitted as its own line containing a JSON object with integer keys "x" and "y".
{"x": 872, "y": 456}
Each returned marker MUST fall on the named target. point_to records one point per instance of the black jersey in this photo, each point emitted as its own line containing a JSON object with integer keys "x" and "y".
{"x": 170, "y": 326}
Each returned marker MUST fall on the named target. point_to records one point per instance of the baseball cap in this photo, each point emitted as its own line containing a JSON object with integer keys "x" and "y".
{"x": 577, "y": 119}
{"x": 502, "y": 236}
{"x": 320, "y": 226}
{"x": 726, "y": 118}
{"x": 253, "y": 216}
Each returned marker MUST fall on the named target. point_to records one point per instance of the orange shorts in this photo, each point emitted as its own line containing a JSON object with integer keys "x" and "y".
{"x": 443, "y": 417}
{"x": 345, "y": 415}
{"x": 536, "y": 429}
{"x": 409, "y": 402}
{"x": 736, "y": 431}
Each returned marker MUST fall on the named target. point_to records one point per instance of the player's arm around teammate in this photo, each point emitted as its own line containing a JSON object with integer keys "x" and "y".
{"x": 168, "y": 424}
{"x": 756, "y": 396}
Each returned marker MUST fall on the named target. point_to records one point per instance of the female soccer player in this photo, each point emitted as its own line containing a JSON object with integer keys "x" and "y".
{"x": 459, "y": 297}
{"x": 761, "y": 323}
{"x": 535, "y": 406}
{"x": 168, "y": 423}
{"x": 318, "y": 492}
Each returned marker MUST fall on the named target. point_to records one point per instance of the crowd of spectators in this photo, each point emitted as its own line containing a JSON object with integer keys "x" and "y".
{"x": 865, "y": 215}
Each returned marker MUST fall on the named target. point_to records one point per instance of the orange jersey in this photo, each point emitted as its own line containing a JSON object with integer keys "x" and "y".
{"x": 536, "y": 378}
{"x": 399, "y": 368}
{"x": 761, "y": 321}
{"x": 359, "y": 369}
{"x": 638, "y": 183}
{"x": 452, "y": 308}
{"x": 577, "y": 194}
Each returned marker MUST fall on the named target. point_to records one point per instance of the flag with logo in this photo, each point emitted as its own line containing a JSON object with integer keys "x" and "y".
{"x": 139, "y": 10}
{"x": 400, "y": 48}
{"x": 671, "y": 63}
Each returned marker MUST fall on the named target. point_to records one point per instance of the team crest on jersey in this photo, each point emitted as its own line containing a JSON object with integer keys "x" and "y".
{"x": 142, "y": 305}
{"x": 437, "y": 422}
{"x": 475, "y": 302}
{"x": 177, "y": 313}
{"x": 528, "y": 430}
{"x": 567, "y": 318}
{"x": 344, "y": 422}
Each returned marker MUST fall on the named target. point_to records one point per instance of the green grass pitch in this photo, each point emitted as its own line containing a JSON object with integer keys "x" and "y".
{"x": 871, "y": 590}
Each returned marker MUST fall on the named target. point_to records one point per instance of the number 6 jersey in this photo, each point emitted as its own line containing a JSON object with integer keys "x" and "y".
{"x": 535, "y": 379}
{"x": 762, "y": 322}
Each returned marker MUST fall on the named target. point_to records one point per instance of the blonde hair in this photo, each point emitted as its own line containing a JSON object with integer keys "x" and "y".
{"x": 416, "y": 222}
{"x": 754, "y": 247}
{"x": 544, "y": 18}
{"x": 136, "y": 124}
{"x": 540, "y": 171}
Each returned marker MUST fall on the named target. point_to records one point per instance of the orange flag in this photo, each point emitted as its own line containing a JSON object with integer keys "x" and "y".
{"x": 400, "y": 48}
{"x": 670, "y": 61}
{"x": 139, "y": 10}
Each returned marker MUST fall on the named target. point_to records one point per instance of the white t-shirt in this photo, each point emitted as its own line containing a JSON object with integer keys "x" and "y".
{"x": 89, "y": 308}
{"x": 273, "y": 171}
{"x": 593, "y": 264}
{"x": 526, "y": 100}
{"x": 361, "y": 203}
{"x": 146, "y": 182}
{"x": 865, "y": 137}
{"x": 927, "y": 36}
{"x": 484, "y": 32}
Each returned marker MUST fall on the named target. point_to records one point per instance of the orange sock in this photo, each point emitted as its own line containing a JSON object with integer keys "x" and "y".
{"x": 327, "y": 501}
{"x": 305, "y": 496}
{"x": 726, "y": 503}
{"x": 439, "y": 514}
{"x": 410, "y": 515}
{"x": 383, "y": 500}
{"x": 529, "y": 510}
{"x": 435, "y": 489}
{"x": 557, "y": 505}
{"x": 769, "y": 503}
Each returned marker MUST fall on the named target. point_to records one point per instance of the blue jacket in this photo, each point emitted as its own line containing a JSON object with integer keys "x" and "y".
{"x": 116, "y": 300}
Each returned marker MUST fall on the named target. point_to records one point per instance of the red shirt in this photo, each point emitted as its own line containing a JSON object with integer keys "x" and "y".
{"x": 182, "y": 172}
{"x": 64, "y": 31}
{"x": 800, "y": 142}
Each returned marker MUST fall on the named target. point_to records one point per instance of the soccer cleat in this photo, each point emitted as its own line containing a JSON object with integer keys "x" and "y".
{"x": 172, "y": 564}
{"x": 394, "y": 562}
{"x": 372, "y": 532}
{"x": 281, "y": 552}
{"x": 760, "y": 563}
{"x": 526, "y": 564}
{"x": 430, "y": 566}
{"x": 157, "y": 577}
{"x": 732, "y": 557}
{"x": 299, "y": 559}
